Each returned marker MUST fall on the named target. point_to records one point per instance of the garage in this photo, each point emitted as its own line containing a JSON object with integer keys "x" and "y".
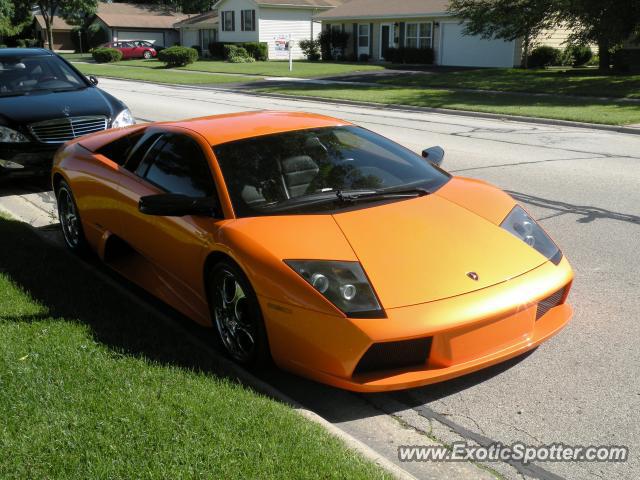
{"x": 457, "y": 49}
{"x": 151, "y": 36}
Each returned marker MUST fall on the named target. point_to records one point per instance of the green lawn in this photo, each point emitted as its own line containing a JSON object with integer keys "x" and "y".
{"x": 301, "y": 68}
{"x": 572, "y": 81}
{"x": 160, "y": 75}
{"x": 95, "y": 386}
{"x": 564, "y": 108}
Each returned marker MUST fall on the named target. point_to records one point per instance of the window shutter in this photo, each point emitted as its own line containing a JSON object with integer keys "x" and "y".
{"x": 253, "y": 20}
{"x": 401, "y": 39}
{"x": 356, "y": 39}
{"x": 371, "y": 40}
{"x": 233, "y": 20}
{"x": 242, "y": 20}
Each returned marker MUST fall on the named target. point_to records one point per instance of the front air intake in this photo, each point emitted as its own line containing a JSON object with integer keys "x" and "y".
{"x": 548, "y": 303}
{"x": 393, "y": 355}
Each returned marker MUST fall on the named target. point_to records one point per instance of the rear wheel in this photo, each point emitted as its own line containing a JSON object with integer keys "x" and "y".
{"x": 237, "y": 317}
{"x": 147, "y": 54}
{"x": 70, "y": 219}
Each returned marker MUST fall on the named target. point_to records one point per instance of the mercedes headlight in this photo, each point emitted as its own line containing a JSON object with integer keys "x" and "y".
{"x": 520, "y": 224}
{"x": 342, "y": 283}
{"x": 8, "y": 135}
{"x": 123, "y": 119}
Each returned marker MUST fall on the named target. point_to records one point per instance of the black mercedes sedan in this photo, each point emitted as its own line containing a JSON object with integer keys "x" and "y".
{"x": 45, "y": 101}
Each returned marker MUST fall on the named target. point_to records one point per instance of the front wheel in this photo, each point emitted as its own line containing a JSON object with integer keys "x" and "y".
{"x": 147, "y": 54}
{"x": 70, "y": 219}
{"x": 237, "y": 317}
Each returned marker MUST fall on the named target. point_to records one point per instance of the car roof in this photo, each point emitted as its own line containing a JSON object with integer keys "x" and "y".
{"x": 218, "y": 129}
{"x": 25, "y": 52}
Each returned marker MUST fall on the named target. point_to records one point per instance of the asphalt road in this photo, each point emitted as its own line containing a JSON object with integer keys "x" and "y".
{"x": 580, "y": 388}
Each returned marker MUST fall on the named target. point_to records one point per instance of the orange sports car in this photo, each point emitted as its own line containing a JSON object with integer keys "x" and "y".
{"x": 335, "y": 252}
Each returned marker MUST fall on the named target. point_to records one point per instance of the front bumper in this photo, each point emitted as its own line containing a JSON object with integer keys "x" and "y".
{"x": 25, "y": 159}
{"x": 466, "y": 333}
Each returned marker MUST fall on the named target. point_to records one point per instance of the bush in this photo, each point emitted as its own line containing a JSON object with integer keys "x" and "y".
{"x": 311, "y": 49}
{"x": 178, "y": 56}
{"x": 236, "y": 54}
{"x": 423, "y": 56}
{"x": 364, "y": 57}
{"x": 106, "y": 55}
{"x": 545, "y": 56}
{"x": 333, "y": 44}
{"x": 577, "y": 55}
{"x": 27, "y": 42}
{"x": 626, "y": 60}
{"x": 96, "y": 36}
{"x": 325, "y": 45}
{"x": 256, "y": 50}
{"x": 198, "y": 49}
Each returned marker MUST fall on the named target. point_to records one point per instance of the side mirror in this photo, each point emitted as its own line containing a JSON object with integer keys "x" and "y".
{"x": 176, "y": 205}
{"x": 93, "y": 79}
{"x": 434, "y": 154}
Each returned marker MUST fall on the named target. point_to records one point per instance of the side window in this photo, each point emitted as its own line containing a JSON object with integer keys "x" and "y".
{"x": 179, "y": 166}
{"x": 140, "y": 150}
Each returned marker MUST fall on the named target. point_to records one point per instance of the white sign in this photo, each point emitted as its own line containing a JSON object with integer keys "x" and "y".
{"x": 282, "y": 47}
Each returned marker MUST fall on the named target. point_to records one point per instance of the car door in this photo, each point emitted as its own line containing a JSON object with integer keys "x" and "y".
{"x": 174, "y": 247}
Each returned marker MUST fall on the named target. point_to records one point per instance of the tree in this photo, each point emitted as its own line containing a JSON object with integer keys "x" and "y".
{"x": 14, "y": 16}
{"x": 73, "y": 11}
{"x": 605, "y": 22}
{"x": 506, "y": 19}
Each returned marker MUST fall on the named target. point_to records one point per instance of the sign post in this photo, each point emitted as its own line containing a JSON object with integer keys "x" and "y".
{"x": 283, "y": 45}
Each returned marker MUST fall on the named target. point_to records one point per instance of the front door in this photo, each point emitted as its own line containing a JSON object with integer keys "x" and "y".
{"x": 385, "y": 40}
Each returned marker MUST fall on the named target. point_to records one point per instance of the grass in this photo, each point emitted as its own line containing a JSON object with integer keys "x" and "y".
{"x": 572, "y": 81}
{"x": 94, "y": 386}
{"x": 563, "y": 108}
{"x": 159, "y": 75}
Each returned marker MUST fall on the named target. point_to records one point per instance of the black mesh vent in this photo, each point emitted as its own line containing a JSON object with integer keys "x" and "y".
{"x": 548, "y": 303}
{"x": 389, "y": 355}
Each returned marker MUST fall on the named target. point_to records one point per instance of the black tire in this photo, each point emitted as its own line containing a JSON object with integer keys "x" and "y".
{"x": 237, "y": 319}
{"x": 69, "y": 216}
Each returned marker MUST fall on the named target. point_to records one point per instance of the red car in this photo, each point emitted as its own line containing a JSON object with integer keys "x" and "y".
{"x": 131, "y": 49}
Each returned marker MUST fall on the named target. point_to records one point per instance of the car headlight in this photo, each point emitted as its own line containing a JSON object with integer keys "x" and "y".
{"x": 342, "y": 283}
{"x": 520, "y": 224}
{"x": 123, "y": 119}
{"x": 8, "y": 135}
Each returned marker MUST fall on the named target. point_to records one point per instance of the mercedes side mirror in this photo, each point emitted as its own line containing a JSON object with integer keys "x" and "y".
{"x": 176, "y": 205}
{"x": 434, "y": 154}
{"x": 93, "y": 79}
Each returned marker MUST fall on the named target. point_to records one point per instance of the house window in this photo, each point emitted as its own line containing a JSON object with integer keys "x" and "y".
{"x": 248, "y": 20}
{"x": 336, "y": 27}
{"x": 363, "y": 36}
{"x": 229, "y": 21}
{"x": 419, "y": 35}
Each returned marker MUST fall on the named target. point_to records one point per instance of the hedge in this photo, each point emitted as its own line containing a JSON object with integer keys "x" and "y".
{"x": 626, "y": 60}
{"x": 412, "y": 55}
{"x": 178, "y": 56}
{"x": 545, "y": 56}
{"x": 106, "y": 55}
{"x": 257, "y": 50}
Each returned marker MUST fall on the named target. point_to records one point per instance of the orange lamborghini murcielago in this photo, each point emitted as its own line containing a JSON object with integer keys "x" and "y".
{"x": 335, "y": 252}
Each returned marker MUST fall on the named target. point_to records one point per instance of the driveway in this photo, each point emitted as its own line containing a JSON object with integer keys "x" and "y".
{"x": 580, "y": 388}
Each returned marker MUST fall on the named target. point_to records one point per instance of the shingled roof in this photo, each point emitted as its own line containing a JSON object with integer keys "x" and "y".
{"x": 386, "y": 9}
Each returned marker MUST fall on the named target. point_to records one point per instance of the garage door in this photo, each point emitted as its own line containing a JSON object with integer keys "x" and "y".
{"x": 462, "y": 50}
{"x": 151, "y": 36}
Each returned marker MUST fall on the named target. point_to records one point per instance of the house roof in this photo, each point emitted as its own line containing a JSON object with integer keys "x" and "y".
{"x": 58, "y": 23}
{"x": 295, "y": 3}
{"x": 205, "y": 19}
{"x": 129, "y": 15}
{"x": 386, "y": 9}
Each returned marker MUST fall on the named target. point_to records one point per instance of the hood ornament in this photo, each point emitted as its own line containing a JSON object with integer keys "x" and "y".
{"x": 473, "y": 276}
{"x": 66, "y": 110}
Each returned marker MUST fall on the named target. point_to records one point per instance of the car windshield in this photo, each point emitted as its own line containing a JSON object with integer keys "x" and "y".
{"x": 22, "y": 76}
{"x": 313, "y": 171}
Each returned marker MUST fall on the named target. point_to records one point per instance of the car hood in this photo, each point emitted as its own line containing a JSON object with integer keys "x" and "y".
{"x": 20, "y": 110}
{"x": 420, "y": 250}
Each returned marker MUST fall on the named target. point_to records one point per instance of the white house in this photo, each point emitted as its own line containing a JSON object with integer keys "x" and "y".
{"x": 199, "y": 30}
{"x": 267, "y": 20}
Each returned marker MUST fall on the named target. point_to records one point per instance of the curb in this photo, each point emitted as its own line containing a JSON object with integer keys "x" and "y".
{"x": 246, "y": 377}
{"x": 406, "y": 108}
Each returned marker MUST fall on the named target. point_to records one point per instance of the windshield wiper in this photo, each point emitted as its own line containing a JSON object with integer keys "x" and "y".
{"x": 356, "y": 196}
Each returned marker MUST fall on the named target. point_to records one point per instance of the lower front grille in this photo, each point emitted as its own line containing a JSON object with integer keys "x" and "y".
{"x": 548, "y": 303}
{"x": 390, "y": 355}
{"x": 60, "y": 130}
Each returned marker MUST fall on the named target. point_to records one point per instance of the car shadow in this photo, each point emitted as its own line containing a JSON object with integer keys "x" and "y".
{"x": 23, "y": 185}
{"x": 83, "y": 290}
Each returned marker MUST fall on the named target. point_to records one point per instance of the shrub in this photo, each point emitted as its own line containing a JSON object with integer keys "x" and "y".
{"x": 545, "y": 56}
{"x": 311, "y": 49}
{"x": 577, "y": 55}
{"x": 236, "y": 54}
{"x": 198, "y": 49}
{"x": 422, "y": 56}
{"x": 626, "y": 60}
{"x": 256, "y": 50}
{"x": 106, "y": 55}
{"x": 333, "y": 44}
{"x": 27, "y": 42}
{"x": 325, "y": 45}
{"x": 364, "y": 57}
{"x": 96, "y": 36}
{"x": 178, "y": 56}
